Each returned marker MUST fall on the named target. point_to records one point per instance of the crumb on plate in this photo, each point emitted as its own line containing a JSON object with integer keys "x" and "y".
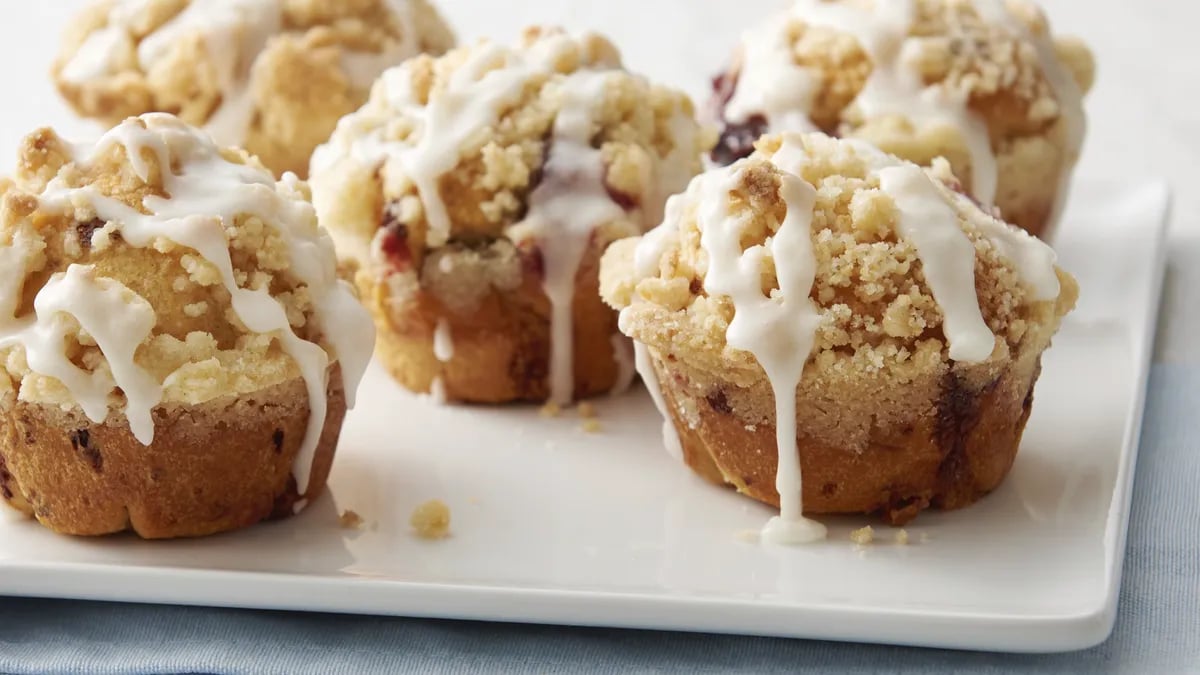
{"x": 431, "y": 520}
{"x": 350, "y": 520}
{"x": 863, "y": 535}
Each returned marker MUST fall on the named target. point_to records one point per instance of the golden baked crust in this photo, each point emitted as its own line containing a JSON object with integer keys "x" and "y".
{"x": 482, "y": 277}
{"x": 951, "y": 43}
{"x": 501, "y": 344}
{"x": 217, "y": 466}
{"x": 941, "y": 442}
{"x": 306, "y": 63}
{"x": 886, "y": 421}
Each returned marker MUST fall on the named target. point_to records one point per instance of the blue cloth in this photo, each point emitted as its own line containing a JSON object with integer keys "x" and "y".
{"x": 1157, "y": 631}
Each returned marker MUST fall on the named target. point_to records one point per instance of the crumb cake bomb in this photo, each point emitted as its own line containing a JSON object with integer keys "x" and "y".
{"x": 979, "y": 82}
{"x": 474, "y": 194}
{"x": 272, "y": 76}
{"x": 177, "y": 351}
{"x": 824, "y": 310}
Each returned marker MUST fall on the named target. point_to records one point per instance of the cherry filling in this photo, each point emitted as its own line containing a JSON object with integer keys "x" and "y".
{"x": 85, "y": 231}
{"x": 394, "y": 241}
{"x": 533, "y": 263}
{"x": 737, "y": 138}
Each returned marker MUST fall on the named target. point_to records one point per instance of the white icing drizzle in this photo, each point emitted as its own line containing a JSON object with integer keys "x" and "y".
{"x": 778, "y": 329}
{"x": 947, "y": 256}
{"x": 645, "y": 369}
{"x": 564, "y": 210}
{"x": 443, "y": 342}
{"x": 1066, "y": 91}
{"x": 437, "y": 390}
{"x": 234, "y": 33}
{"x": 96, "y": 55}
{"x": 674, "y": 171}
{"x": 207, "y": 193}
{"x": 626, "y": 368}
{"x": 492, "y": 78}
{"x": 117, "y": 320}
{"x": 1033, "y": 258}
{"x": 654, "y": 244}
{"x": 772, "y": 84}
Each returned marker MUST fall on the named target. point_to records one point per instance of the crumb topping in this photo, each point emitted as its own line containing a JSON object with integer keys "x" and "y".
{"x": 378, "y": 182}
{"x": 82, "y": 227}
{"x": 876, "y": 309}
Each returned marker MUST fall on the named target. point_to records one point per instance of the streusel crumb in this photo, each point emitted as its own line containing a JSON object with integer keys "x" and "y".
{"x": 431, "y": 520}
{"x": 350, "y": 520}
{"x": 863, "y": 535}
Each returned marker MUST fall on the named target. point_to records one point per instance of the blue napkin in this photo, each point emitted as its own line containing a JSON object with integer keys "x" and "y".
{"x": 1158, "y": 628}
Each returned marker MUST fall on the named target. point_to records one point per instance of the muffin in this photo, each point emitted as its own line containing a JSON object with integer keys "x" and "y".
{"x": 983, "y": 84}
{"x": 177, "y": 351}
{"x": 474, "y": 193}
{"x": 272, "y": 76}
{"x": 824, "y": 306}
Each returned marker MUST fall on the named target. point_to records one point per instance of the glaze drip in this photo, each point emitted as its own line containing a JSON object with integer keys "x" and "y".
{"x": 564, "y": 211}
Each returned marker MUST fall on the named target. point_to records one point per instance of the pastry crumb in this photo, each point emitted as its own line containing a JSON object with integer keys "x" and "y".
{"x": 431, "y": 520}
{"x": 350, "y": 520}
{"x": 863, "y": 535}
{"x": 591, "y": 425}
{"x": 587, "y": 410}
{"x": 551, "y": 409}
{"x": 902, "y": 537}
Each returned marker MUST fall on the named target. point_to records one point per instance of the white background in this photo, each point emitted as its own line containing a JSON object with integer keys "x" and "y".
{"x": 1144, "y": 116}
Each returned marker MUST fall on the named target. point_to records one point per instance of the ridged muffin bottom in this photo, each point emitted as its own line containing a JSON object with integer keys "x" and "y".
{"x": 213, "y": 467}
{"x": 957, "y": 445}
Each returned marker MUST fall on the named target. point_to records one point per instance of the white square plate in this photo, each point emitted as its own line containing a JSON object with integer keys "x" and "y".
{"x": 552, "y": 524}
